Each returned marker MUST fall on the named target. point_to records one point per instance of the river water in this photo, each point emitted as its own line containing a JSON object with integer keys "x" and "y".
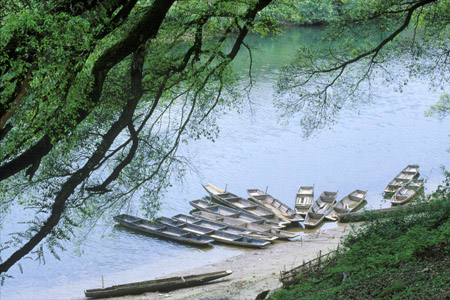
{"x": 364, "y": 150}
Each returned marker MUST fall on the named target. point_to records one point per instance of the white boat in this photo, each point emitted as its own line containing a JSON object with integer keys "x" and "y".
{"x": 407, "y": 192}
{"x": 304, "y": 199}
{"x": 407, "y": 174}
{"x": 320, "y": 207}
{"x": 281, "y": 210}
{"x": 347, "y": 204}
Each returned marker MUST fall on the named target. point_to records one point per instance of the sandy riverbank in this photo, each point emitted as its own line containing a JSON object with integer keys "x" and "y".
{"x": 255, "y": 271}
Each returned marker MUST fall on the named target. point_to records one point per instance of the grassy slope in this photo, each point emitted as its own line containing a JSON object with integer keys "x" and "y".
{"x": 405, "y": 256}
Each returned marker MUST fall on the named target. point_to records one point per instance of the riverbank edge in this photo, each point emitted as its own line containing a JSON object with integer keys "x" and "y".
{"x": 255, "y": 271}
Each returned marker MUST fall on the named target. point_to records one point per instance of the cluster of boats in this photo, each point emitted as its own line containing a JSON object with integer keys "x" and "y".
{"x": 247, "y": 224}
{"x": 253, "y": 222}
{"x": 405, "y": 186}
{"x": 260, "y": 219}
{"x": 325, "y": 207}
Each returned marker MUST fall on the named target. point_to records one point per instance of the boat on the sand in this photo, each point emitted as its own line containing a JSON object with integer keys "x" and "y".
{"x": 157, "y": 285}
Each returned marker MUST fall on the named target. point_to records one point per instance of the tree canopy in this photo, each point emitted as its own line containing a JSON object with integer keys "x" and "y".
{"x": 96, "y": 96}
{"x": 366, "y": 41}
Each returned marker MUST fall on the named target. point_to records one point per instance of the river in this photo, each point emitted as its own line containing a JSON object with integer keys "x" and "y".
{"x": 364, "y": 150}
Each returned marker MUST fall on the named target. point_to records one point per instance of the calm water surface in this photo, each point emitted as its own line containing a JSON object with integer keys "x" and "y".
{"x": 364, "y": 150}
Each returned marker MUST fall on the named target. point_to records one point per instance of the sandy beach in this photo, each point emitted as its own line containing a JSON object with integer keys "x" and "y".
{"x": 256, "y": 270}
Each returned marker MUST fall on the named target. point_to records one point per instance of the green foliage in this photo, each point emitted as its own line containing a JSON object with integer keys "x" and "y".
{"x": 405, "y": 256}
{"x": 441, "y": 109}
{"x": 364, "y": 42}
{"x": 98, "y": 97}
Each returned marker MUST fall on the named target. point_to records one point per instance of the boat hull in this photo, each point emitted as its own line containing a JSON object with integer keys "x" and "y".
{"x": 218, "y": 235}
{"x": 157, "y": 285}
{"x": 163, "y": 231}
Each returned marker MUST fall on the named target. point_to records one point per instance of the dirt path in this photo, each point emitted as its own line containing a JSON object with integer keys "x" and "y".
{"x": 255, "y": 271}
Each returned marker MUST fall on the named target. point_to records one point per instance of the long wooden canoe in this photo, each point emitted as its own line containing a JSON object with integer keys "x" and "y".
{"x": 304, "y": 199}
{"x": 280, "y": 209}
{"x": 260, "y": 228}
{"x": 224, "y": 227}
{"x": 242, "y": 204}
{"x": 347, "y": 204}
{"x": 157, "y": 285}
{"x": 320, "y": 207}
{"x": 407, "y": 174}
{"x": 231, "y": 212}
{"x": 407, "y": 192}
{"x": 218, "y": 235}
{"x": 164, "y": 231}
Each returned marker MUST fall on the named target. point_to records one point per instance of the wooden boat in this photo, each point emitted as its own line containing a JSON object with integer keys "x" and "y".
{"x": 407, "y": 192}
{"x": 157, "y": 285}
{"x": 242, "y": 204}
{"x": 408, "y": 173}
{"x": 280, "y": 209}
{"x": 218, "y": 235}
{"x": 304, "y": 199}
{"x": 320, "y": 207}
{"x": 260, "y": 228}
{"x": 393, "y": 186}
{"x": 231, "y": 212}
{"x": 164, "y": 231}
{"x": 347, "y": 204}
{"x": 226, "y": 228}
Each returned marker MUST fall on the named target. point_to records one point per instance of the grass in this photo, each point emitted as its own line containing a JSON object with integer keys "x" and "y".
{"x": 404, "y": 256}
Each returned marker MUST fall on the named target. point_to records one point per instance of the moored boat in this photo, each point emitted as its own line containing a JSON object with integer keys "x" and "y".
{"x": 304, "y": 199}
{"x": 347, "y": 204}
{"x": 231, "y": 212}
{"x": 157, "y": 285}
{"x": 407, "y": 174}
{"x": 216, "y": 234}
{"x": 224, "y": 227}
{"x": 164, "y": 231}
{"x": 319, "y": 208}
{"x": 260, "y": 228}
{"x": 281, "y": 210}
{"x": 242, "y": 204}
{"x": 407, "y": 192}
